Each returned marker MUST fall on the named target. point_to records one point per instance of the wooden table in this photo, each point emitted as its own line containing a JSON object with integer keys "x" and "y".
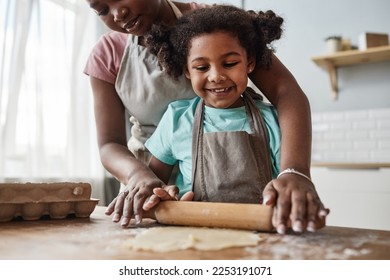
{"x": 98, "y": 237}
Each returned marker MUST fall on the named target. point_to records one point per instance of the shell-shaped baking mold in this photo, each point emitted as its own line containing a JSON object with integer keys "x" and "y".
{"x": 31, "y": 201}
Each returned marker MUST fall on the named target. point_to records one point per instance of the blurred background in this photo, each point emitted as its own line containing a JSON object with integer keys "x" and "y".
{"x": 47, "y": 130}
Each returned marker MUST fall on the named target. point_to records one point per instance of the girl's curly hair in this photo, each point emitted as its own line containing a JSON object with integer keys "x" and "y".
{"x": 254, "y": 31}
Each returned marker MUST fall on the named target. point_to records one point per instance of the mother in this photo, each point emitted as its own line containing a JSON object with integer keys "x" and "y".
{"x": 125, "y": 77}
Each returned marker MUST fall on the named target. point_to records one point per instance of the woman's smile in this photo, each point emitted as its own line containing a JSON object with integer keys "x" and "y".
{"x": 131, "y": 25}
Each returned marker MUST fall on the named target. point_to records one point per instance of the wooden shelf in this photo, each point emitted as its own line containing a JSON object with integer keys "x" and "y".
{"x": 352, "y": 165}
{"x": 348, "y": 58}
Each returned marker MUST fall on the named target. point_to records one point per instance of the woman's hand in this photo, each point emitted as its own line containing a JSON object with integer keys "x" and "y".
{"x": 130, "y": 201}
{"x": 295, "y": 200}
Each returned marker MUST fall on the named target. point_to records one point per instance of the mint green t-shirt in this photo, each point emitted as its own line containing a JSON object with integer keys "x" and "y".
{"x": 171, "y": 142}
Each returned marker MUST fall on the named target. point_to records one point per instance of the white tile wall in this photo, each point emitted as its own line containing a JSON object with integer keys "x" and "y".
{"x": 363, "y": 195}
{"x": 352, "y": 136}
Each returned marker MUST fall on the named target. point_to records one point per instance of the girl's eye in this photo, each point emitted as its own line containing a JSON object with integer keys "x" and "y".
{"x": 230, "y": 64}
{"x": 200, "y": 68}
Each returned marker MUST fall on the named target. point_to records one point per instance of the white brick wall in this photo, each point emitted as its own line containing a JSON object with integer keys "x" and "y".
{"x": 363, "y": 195}
{"x": 352, "y": 136}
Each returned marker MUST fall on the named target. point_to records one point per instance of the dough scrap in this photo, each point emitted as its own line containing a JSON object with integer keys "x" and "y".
{"x": 168, "y": 239}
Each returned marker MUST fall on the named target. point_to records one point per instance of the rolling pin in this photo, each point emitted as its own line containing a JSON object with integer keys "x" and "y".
{"x": 256, "y": 217}
{"x": 213, "y": 214}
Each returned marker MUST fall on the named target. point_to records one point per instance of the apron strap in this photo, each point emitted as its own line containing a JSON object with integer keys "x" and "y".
{"x": 197, "y": 146}
{"x": 175, "y": 9}
{"x": 261, "y": 139}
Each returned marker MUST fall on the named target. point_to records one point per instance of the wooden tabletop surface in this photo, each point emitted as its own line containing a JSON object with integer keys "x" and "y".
{"x": 98, "y": 237}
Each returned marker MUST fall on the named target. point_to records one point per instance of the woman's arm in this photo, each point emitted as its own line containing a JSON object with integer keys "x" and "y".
{"x": 115, "y": 156}
{"x": 294, "y": 197}
{"x": 283, "y": 91}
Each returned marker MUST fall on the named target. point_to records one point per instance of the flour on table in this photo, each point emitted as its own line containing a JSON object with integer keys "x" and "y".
{"x": 167, "y": 239}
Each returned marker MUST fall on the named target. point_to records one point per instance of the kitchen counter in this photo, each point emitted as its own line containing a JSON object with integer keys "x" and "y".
{"x": 98, "y": 237}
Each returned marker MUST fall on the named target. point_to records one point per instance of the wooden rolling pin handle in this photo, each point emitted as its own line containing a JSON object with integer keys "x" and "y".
{"x": 213, "y": 214}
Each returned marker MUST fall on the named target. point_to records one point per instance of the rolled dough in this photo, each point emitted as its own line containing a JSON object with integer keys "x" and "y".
{"x": 167, "y": 239}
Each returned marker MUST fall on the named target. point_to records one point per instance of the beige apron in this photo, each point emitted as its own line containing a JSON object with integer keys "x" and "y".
{"x": 146, "y": 90}
{"x": 231, "y": 166}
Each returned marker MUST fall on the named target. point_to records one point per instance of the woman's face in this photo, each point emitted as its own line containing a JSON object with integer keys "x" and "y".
{"x": 218, "y": 68}
{"x": 128, "y": 16}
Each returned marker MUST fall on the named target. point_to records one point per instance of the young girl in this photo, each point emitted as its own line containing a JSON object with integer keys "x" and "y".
{"x": 235, "y": 137}
{"x": 126, "y": 77}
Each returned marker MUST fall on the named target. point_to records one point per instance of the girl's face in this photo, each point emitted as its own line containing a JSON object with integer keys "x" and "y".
{"x": 128, "y": 16}
{"x": 218, "y": 68}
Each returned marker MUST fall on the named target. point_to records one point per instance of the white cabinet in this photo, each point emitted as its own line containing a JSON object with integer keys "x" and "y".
{"x": 356, "y": 197}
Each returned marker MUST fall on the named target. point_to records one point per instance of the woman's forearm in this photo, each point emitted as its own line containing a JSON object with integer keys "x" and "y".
{"x": 295, "y": 125}
{"x": 283, "y": 91}
{"x": 111, "y": 134}
{"x": 120, "y": 162}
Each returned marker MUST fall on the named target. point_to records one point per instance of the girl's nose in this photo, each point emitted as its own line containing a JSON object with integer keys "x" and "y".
{"x": 119, "y": 14}
{"x": 216, "y": 77}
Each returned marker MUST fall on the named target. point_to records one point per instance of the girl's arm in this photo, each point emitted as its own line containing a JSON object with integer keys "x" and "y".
{"x": 161, "y": 169}
{"x": 164, "y": 172}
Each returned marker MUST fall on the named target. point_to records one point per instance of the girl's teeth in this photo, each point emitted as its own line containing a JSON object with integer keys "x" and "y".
{"x": 220, "y": 90}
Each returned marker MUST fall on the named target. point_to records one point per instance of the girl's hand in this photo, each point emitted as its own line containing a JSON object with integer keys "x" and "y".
{"x": 166, "y": 193}
{"x": 295, "y": 200}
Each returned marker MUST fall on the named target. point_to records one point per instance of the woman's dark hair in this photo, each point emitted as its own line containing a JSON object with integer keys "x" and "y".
{"x": 254, "y": 31}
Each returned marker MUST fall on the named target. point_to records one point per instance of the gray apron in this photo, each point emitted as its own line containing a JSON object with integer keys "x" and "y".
{"x": 231, "y": 166}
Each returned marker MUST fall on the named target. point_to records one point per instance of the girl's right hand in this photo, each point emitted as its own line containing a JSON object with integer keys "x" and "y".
{"x": 166, "y": 193}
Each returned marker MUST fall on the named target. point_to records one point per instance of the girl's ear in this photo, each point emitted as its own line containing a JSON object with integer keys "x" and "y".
{"x": 251, "y": 64}
{"x": 187, "y": 73}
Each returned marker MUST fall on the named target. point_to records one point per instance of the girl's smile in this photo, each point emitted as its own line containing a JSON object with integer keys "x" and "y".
{"x": 220, "y": 92}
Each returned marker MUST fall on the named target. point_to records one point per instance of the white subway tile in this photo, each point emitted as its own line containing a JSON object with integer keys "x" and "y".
{"x": 316, "y": 118}
{"x": 363, "y": 156}
{"x": 357, "y": 135}
{"x": 383, "y": 123}
{"x": 381, "y": 156}
{"x": 364, "y": 144}
{"x": 379, "y": 114}
{"x": 318, "y": 127}
{"x": 342, "y": 125}
{"x": 338, "y": 116}
{"x": 340, "y": 145}
{"x": 321, "y": 146}
{"x": 334, "y": 135}
{"x": 384, "y": 144}
{"x": 356, "y": 115}
{"x": 317, "y": 137}
{"x": 364, "y": 124}
{"x": 380, "y": 134}
{"x": 334, "y": 156}
{"x": 316, "y": 157}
